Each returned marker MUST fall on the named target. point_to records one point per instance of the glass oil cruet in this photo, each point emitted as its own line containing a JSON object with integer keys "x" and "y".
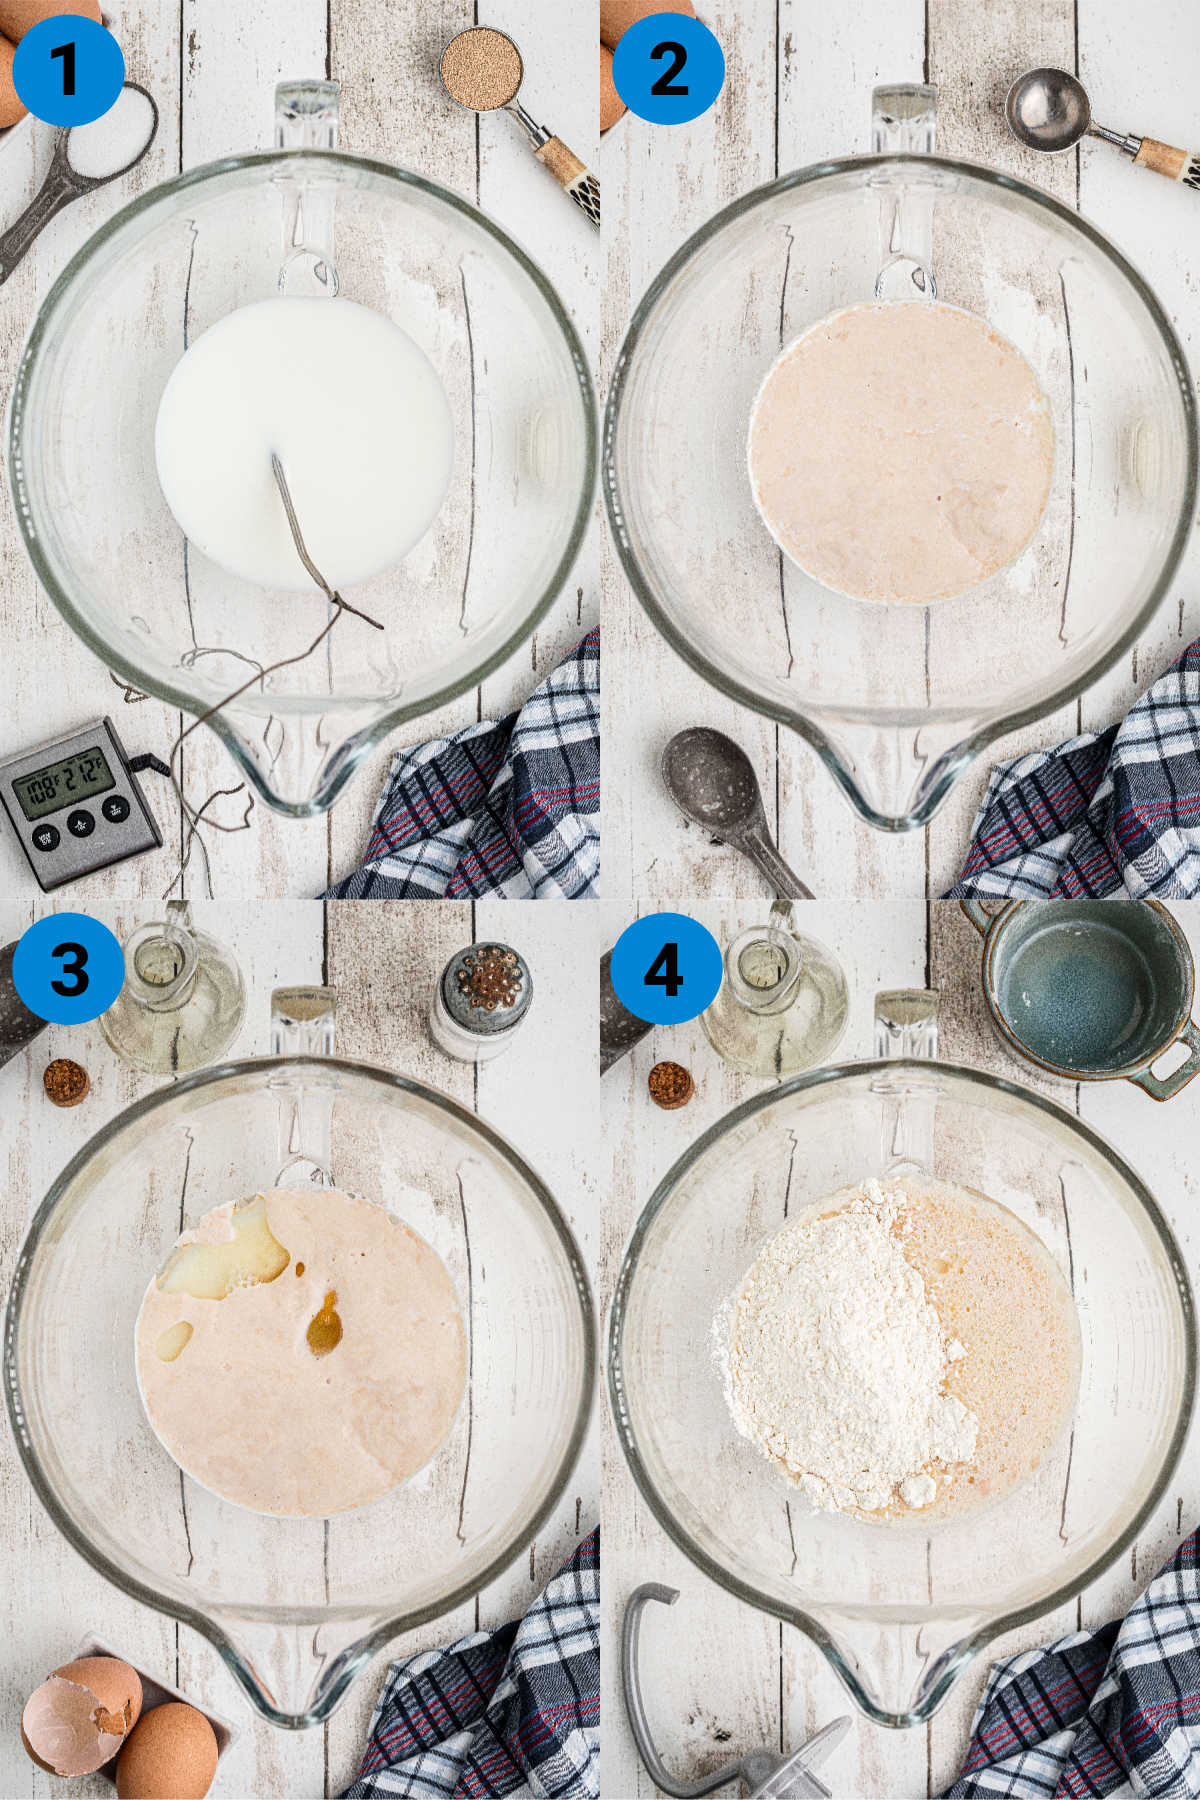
{"x": 782, "y": 1004}
{"x": 183, "y": 1000}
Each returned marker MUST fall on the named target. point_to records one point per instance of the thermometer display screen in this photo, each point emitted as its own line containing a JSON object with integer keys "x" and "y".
{"x": 76, "y": 778}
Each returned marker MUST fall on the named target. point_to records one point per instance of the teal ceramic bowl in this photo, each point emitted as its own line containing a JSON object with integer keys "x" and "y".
{"x": 1090, "y": 990}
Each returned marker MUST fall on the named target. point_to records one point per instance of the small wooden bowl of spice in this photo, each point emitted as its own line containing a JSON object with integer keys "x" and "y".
{"x": 670, "y": 1085}
{"x": 65, "y": 1082}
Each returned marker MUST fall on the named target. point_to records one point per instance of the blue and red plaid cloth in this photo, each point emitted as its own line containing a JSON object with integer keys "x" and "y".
{"x": 1112, "y": 812}
{"x": 514, "y": 1711}
{"x": 1108, "y": 1712}
{"x": 507, "y": 808}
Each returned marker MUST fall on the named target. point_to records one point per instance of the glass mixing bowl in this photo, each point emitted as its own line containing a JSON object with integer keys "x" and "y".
{"x": 108, "y": 551}
{"x": 898, "y": 699}
{"x": 297, "y": 1606}
{"x": 901, "y": 1609}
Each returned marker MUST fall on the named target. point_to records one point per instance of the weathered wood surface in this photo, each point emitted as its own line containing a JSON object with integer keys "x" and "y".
{"x": 720, "y": 1678}
{"x": 383, "y": 962}
{"x": 213, "y": 70}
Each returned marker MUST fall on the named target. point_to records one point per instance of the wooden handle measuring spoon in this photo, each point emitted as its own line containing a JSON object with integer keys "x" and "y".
{"x": 482, "y": 70}
{"x": 1048, "y": 110}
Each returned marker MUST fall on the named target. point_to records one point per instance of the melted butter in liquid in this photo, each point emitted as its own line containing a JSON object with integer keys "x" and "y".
{"x": 212, "y": 1271}
{"x": 173, "y": 1341}
{"x": 307, "y": 1397}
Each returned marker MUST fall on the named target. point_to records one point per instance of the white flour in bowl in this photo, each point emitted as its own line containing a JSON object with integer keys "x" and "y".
{"x": 836, "y": 1363}
{"x": 902, "y": 1346}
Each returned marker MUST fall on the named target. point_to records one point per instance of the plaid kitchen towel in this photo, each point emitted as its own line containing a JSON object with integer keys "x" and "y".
{"x": 1108, "y": 1712}
{"x": 508, "y": 807}
{"x": 514, "y": 1711}
{"x": 1112, "y": 812}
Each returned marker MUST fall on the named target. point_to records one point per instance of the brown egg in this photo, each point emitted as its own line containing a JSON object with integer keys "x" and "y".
{"x": 19, "y": 16}
{"x": 611, "y": 103}
{"x": 171, "y": 1755}
{"x": 616, "y": 16}
{"x": 80, "y": 1717}
{"x": 10, "y": 107}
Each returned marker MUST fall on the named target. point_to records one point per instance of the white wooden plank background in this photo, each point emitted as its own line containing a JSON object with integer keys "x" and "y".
{"x": 798, "y": 87}
{"x": 213, "y": 70}
{"x": 383, "y": 960}
{"x": 720, "y": 1678}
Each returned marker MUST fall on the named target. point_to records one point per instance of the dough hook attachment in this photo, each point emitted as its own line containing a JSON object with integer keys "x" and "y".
{"x": 767, "y": 1774}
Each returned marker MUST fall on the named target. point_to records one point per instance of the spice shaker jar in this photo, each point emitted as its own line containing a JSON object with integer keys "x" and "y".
{"x": 480, "y": 1002}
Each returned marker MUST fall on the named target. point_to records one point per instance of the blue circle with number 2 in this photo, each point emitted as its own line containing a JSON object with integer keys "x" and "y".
{"x": 666, "y": 968}
{"x": 68, "y": 70}
{"x": 68, "y": 968}
{"x": 668, "y": 68}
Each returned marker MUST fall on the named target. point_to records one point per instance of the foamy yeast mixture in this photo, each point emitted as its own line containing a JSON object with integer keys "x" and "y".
{"x": 902, "y": 1347}
{"x": 301, "y": 1353}
{"x": 901, "y": 451}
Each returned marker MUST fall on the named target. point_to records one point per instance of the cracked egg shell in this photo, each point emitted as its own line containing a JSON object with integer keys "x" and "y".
{"x": 171, "y": 1755}
{"x": 81, "y": 1715}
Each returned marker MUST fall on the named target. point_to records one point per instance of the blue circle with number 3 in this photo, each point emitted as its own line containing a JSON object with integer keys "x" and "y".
{"x": 668, "y": 68}
{"x": 68, "y": 70}
{"x": 68, "y": 968}
{"x": 666, "y": 968}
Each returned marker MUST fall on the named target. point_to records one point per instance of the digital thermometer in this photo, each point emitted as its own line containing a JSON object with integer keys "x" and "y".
{"x": 76, "y": 806}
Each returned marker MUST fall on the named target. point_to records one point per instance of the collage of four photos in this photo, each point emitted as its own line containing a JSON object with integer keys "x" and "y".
{"x": 736, "y": 1334}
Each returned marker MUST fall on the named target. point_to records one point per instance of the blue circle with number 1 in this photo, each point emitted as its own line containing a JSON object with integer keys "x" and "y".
{"x": 668, "y": 68}
{"x": 666, "y": 968}
{"x": 68, "y": 70}
{"x": 68, "y": 968}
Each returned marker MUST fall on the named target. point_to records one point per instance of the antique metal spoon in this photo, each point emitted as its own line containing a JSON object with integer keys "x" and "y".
{"x": 1048, "y": 110}
{"x": 65, "y": 183}
{"x": 712, "y": 782}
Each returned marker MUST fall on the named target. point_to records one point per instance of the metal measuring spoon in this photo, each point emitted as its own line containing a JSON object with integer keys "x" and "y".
{"x": 712, "y": 782}
{"x": 64, "y": 183}
{"x": 482, "y": 70}
{"x": 1048, "y": 110}
{"x": 767, "y": 1774}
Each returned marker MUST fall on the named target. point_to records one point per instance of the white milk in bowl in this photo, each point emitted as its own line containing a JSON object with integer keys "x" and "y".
{"x": 352, "y": 407}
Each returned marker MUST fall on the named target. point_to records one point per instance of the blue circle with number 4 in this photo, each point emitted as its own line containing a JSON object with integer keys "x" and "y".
{"x": 68, "y": 968}
{"x": 668, "y": 68}
{"x": 666, "y": 968}
{"x": 68, "y": 70}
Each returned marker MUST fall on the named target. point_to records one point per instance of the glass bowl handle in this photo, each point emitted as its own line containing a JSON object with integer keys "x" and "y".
{"x": 906, "y": 1023}
{"x": 306, "y": 118}
{"x": 904, "y": 123}
{"x": 906, "y": 1031}
{"x": 302, "y": 1025}
{"x": 303, "y": 1021}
